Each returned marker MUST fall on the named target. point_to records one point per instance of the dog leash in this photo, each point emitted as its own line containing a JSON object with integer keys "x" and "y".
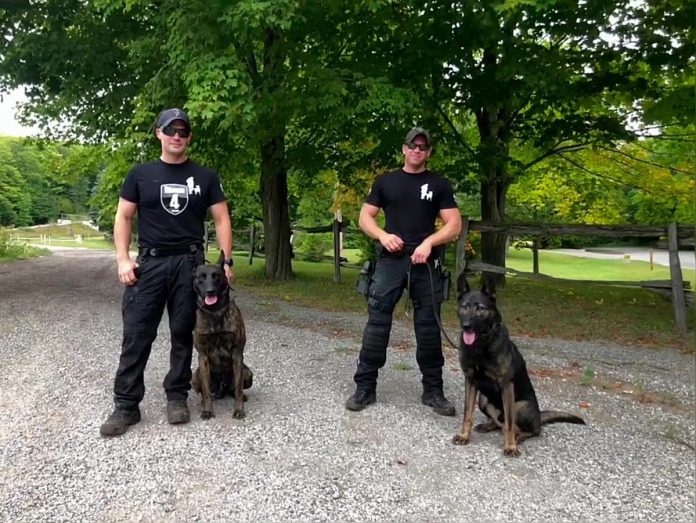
{"x": 432, "y": 295}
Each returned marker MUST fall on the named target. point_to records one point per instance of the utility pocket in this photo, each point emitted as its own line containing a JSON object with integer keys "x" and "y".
{"x": 446, "y": 284}
{"x": 130, "y": 295}
{"x": 362, "y": 286}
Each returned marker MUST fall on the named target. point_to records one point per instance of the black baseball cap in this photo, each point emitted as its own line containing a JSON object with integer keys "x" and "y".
{"x": 418, "y": 131}
{"x": 169, "y": 115}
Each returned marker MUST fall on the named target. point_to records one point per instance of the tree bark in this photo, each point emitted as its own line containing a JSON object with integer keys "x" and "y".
{"x": 274, "y": 175}
{"x": 493, "y": 125}
{"x": 493, "y": 159}
{"x": 493, "y": 243}
{"x": 274, "y": 200}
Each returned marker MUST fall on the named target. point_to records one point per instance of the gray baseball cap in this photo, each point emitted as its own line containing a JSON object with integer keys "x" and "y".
{"x": 418, "y": 131}
{"x": 169, "y": 115}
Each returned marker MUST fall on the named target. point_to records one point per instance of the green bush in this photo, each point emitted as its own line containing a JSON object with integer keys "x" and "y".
{"x": 367, "y": 247}
{"x": 10, "y": 250}
{"x": 312, "y": 247}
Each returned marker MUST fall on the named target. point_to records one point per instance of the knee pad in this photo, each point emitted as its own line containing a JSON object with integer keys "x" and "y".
{"x": 427, "y": 330}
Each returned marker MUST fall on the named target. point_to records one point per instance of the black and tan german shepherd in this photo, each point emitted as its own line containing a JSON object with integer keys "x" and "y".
{"x": 219, "y": 337}
{"x": 494, "y": 368}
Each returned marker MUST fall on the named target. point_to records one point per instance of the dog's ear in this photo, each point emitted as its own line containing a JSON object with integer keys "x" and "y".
{"x": 462, "y": 286}
{"x": 198, "y": 264}
{"x": 488, "y": 288}
{"x": 221, "y": 260}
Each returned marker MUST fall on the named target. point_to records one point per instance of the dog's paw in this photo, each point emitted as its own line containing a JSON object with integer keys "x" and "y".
{"x": 207, "y": 414}
{"x": 460, "y": 440}
{"x": 513, "y": 452}
{"x": 238, "y": 414}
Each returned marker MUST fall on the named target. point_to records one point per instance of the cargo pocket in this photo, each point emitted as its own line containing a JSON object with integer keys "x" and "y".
{"x": 130, "y": 295}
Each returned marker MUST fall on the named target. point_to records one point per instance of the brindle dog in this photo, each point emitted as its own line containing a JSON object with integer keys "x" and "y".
{"x": 494, "y": 368}
{"x": 219, "y": 338}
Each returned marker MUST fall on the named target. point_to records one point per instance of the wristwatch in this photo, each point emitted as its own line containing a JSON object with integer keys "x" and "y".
{"x": 229, "y": 262}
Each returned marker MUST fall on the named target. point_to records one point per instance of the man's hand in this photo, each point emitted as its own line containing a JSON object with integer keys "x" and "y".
{"x": 229, "y": 274}
{"x": 422, "y": 252}
{"x": 391, "y": 242}
{"x": 126, "y": 274}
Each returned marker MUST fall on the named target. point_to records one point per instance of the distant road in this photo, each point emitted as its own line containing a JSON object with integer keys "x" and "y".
{"x": 660, "y": 256}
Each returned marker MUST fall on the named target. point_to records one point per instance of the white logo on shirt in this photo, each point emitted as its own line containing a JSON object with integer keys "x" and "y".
{"x": 193, "y": 189}
{"x": 174, "y": 197}
{"x": 425, "y": 193}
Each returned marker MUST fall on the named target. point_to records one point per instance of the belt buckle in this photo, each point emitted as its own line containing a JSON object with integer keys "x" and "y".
{"x": 153, "y": 252}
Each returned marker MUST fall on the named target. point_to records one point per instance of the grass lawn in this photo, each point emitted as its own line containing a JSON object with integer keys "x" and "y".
{"x": 564, "y": 310}
{"x": 60, "y": 235}
{"x": 577, "y": 268}
{"x": 531, "y": 308}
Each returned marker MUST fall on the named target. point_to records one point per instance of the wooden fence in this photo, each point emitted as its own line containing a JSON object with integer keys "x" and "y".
{"x": 676, "y": 287}
{"x": 337, "y": 227}
{"x": 50, "y": 239}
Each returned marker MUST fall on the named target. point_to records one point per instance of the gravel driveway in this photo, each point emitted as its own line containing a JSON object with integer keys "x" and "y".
{"x": 299, "y": 455}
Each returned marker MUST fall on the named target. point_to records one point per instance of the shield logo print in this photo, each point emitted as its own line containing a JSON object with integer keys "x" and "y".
{"x": 174, "y": 197}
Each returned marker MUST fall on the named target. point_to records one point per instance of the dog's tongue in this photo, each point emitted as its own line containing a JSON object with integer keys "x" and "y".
{"x": 210, "y": 300}
{"x": 469, "y": 338}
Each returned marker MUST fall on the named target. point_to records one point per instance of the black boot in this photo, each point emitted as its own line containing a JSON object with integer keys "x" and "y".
{"x": 177, "y": 412}
{"x": 439, "y": 403}
{"x": 119, "y": 421}
{"x": 360, "y": 399}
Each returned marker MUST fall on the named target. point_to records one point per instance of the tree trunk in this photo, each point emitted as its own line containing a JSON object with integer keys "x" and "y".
{"x": 493, "y": 243}
{"x": 274, "y": 200}
{"x": 493, "y": 126}
{"x": 274, "y": 175}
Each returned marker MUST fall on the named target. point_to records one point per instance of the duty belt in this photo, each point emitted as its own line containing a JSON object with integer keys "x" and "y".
{"x": 157, "y": 252}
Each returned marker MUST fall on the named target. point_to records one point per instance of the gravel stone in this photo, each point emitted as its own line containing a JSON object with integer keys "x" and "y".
{"x": 300, "y": 455}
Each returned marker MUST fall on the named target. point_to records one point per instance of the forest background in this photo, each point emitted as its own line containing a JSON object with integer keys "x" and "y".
{"x": 545, "y": 111}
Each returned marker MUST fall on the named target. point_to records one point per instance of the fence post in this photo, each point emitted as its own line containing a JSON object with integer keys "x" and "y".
{"x": 205, "y": 237}
{"x": 535, "y": 255}
{"x": 337, "y": 250}
{"x": 460, "y": 262}
{"x": 252, "y": 241}
{"x": 678, "y": 298}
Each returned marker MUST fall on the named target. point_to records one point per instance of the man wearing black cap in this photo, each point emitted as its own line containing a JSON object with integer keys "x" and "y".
{"x": 409, "y": 257}
{"x": 171, "y": 197}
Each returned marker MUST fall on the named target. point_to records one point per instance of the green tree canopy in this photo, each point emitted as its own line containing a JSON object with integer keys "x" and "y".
{"x": 292, "y": 88}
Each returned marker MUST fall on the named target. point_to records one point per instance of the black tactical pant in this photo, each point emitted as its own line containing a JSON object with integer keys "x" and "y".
{"x": 392, "y": 275}
{"x": 163, "y": 281}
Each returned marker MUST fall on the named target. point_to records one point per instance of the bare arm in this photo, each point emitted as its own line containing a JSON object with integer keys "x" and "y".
{"x": 123, "y": 224}
{"x": 449, "y": 231}
{"x": 223, "y": 231}
{"x": 369, "y": 226}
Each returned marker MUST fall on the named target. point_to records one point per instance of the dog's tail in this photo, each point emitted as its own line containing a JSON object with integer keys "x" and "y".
{"x": 557, "y": 416}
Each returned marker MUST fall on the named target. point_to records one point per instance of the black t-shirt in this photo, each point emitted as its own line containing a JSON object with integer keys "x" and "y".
{"x": 411, "y": 202}
{"x": 172, "y": 201}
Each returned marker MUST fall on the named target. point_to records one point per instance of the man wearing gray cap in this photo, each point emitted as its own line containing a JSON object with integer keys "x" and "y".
{"x": 171, "y": 197}
{"x": 409, "y": 257}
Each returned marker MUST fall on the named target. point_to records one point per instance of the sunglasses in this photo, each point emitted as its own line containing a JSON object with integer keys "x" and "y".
{"x": 423, "y": 147}
{"x": 183, "y": 132}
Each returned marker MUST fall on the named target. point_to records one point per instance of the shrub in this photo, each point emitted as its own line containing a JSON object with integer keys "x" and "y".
{"x": 312, "y": 247}
{"x": 10, "y": 250}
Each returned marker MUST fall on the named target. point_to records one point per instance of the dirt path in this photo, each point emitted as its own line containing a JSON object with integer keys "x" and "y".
{"x": 300, "y": 455}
